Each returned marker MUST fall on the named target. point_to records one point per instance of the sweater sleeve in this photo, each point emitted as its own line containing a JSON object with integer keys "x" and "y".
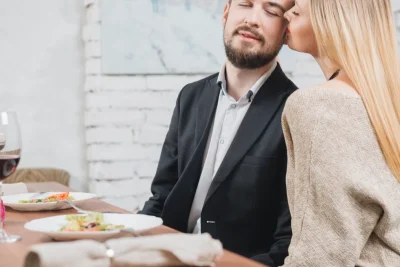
{"x": 340, "y": 202}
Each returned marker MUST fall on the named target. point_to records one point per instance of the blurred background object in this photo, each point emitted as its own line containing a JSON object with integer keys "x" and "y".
{"x": 36, "y": 175}
{"x": 41, "y": 77}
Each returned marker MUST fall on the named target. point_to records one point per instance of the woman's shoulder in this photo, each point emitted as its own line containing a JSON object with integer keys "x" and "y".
{"x": 325, "y": 106}
{"x": 325, "y": 96}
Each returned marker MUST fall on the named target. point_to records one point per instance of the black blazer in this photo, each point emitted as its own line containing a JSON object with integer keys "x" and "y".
{"x": 246, "y": 206}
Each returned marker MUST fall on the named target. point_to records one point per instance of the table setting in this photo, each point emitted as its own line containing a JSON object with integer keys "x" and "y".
{"x": 39, "y": 201}
{"x": 47, "y": 224}
{"x": 97, "y": 248}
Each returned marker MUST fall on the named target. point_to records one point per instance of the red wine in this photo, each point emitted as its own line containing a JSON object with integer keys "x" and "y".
{"x": 8, "y": 165}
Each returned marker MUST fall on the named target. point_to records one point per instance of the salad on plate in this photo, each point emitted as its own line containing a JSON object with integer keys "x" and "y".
{"x": 92, "y": 222}
{"x": 52, "y": 198}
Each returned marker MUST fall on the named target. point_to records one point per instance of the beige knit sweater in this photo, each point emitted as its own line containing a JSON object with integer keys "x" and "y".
{"x": 344, "y": 200}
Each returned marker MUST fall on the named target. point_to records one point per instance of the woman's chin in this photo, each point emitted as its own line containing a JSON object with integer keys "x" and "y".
{"x": 292, "y": 45}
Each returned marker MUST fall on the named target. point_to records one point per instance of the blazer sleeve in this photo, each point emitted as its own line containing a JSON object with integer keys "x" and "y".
{"x": 283, "y": 233}
{"x": 167, "y": 171}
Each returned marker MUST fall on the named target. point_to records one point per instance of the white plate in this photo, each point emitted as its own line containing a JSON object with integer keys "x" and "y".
{"x": 52, "y": 225}
{"x": 12, "y": 201}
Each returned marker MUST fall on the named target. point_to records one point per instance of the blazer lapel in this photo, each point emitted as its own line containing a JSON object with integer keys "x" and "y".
{"x": 264, "y": 106}
{"x": 206, "y": 109}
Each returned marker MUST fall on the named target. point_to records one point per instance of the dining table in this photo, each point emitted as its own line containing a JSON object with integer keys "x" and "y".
{"x": 13, "y": 254}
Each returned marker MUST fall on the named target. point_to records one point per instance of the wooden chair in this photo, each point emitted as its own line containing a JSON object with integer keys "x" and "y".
{"x": 33, "y": 175}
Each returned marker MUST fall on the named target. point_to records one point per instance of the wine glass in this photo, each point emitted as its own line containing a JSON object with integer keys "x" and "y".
{"x": 10, "y": 151}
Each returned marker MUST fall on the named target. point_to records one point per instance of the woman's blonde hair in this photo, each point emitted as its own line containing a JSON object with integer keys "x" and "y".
{"x": 359, "y": 36}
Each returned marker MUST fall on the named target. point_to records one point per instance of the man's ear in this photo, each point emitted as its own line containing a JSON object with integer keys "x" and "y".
{"x": 226, "y": 12}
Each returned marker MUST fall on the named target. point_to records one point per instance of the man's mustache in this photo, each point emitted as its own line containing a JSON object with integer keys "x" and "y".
{"x": 250, "y": 30}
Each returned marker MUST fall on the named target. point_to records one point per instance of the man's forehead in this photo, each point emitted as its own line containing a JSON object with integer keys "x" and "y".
{"x": 286, "y": 4}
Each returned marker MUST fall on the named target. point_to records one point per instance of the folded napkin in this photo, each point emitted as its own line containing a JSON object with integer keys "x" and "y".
{"x": 11, "y": 189}
{"x": 149, "y": 251}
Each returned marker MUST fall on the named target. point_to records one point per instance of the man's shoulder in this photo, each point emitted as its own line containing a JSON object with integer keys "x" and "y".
{"x": 292, "y": 87}
{"x": 289, "y": 84}
{"x": 200, "y": 84}
{"x": 281, "y": 80}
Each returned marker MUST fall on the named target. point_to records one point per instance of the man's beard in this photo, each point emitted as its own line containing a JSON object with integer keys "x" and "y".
{"x": 250, "y": 60}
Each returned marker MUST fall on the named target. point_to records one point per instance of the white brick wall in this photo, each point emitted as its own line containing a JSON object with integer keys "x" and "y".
{"x": 127, "y": 117}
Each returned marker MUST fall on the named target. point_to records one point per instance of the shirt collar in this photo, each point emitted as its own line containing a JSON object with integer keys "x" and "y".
{"x": 221, "y": 81}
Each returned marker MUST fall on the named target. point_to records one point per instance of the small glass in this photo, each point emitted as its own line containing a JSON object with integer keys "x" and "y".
{"x": 10, "y": 152}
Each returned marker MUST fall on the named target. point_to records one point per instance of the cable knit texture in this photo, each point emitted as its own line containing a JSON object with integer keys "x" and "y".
{"x": 344, "y": 200}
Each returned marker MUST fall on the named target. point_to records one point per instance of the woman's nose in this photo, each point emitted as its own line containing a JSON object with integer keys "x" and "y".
{"x": 287, "y": 16}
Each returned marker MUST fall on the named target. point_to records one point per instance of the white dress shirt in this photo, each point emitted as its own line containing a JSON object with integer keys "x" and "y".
{"x": 228, "y": 117}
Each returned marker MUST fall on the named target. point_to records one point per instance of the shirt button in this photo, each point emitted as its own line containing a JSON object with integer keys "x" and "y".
{"x": 222, "y": 141}
{"x": 233, "y": 106}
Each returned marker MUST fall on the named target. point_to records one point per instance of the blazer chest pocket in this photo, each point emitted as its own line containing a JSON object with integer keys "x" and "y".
{"x": 253, "y": 160}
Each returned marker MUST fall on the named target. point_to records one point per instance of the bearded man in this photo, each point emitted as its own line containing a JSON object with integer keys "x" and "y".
{"x": 223, "y": 163}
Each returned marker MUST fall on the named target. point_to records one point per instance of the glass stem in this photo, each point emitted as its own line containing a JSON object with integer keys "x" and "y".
{"x": 2, "y": 211}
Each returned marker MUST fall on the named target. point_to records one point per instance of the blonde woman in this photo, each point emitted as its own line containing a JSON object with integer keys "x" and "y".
{"x": 343, "y": 137}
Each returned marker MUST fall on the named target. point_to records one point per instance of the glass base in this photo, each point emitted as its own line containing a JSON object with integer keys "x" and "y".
{"x": 9, "y": 238}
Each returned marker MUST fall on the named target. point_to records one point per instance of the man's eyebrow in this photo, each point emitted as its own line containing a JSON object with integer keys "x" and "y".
{"x": 277, "y": 5}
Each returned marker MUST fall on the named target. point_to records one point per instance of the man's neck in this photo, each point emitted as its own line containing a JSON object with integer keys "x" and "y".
{"x": 239, "y": 81}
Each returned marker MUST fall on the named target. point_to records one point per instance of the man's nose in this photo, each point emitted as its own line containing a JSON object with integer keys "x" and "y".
{"x": 253, "y": 17}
